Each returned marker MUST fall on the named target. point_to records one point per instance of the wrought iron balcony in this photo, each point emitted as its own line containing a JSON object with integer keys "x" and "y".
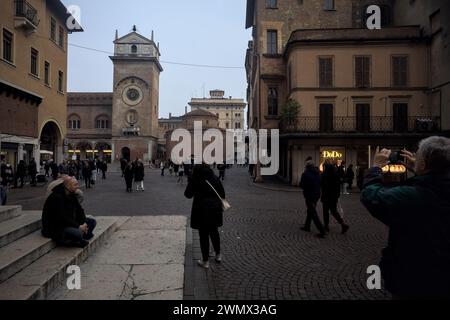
{"x": 26, "y": 15}
{"x": 362, "y": 125}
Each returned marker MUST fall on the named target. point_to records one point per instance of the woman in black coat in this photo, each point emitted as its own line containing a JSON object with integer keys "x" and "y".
{"x": 129, "y": 174}
{"x": 207, "y": 212}
{"x": 331, "y": 191}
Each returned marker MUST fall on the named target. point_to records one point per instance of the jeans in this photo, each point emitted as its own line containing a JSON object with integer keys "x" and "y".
{"x": 87, "y": 182}
{"x": 331, "y": 207}
{"x": 74, "y": 235}
{"x": 205, "y": 235}
{"x": 140, "y": 185}
{"x": 312, "y": 216}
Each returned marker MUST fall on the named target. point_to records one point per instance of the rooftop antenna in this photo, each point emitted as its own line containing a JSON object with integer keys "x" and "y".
{"x": 153, "y": 35}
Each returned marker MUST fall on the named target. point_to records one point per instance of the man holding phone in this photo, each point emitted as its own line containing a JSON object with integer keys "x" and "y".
{"x": 416, "y": 262}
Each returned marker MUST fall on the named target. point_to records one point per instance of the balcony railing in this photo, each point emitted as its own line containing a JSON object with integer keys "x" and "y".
{"x": 361, "y": 125}
{"x": 27, "y": 11}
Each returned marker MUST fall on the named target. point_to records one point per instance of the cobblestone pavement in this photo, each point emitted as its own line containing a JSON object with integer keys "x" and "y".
{"x": 266, "y": 256}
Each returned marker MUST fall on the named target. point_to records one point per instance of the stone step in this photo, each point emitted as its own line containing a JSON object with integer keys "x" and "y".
{"x": 9, "y": 212}
{"x": 21, "y": 253}
{"x": 39, "y": 279}
{"x": 18, "y": 227}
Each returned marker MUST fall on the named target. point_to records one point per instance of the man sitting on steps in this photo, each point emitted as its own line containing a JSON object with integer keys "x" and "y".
{"x": 63, "y": 218}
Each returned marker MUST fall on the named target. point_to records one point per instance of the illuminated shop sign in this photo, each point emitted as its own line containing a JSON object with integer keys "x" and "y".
{"x": 332, "y": 155}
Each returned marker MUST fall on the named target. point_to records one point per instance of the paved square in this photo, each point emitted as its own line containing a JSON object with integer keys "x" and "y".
{"x": 266, "y": 256}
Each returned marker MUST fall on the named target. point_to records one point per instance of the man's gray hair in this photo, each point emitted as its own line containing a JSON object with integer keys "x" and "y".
{"x": 435, "y": 152}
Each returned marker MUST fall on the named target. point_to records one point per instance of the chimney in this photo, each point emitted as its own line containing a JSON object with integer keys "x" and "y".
{"x": 170, "y": 115}
{"x": 117, "y": 34}
{"x": 185, "y": 110}
{"x": 153, "y": 35}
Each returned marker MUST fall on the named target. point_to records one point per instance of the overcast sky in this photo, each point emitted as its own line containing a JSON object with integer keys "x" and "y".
{"x": 206, "y": 32}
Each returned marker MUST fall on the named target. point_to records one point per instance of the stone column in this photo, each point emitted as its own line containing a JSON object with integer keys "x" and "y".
{"x": 150, "y": 151}
{"x": 37, "y": 155}
{"x": 113, "y": 153}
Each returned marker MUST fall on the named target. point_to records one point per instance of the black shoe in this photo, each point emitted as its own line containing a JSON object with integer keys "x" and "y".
{"x": 345, "y": 228}
{"x": 305, "y": 229}
{"x": 83, "y": 244}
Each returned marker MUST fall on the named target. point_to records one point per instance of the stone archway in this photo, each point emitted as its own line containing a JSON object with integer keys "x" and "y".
{"x": 126, "y": 153}
{"x": 103, "y": 151}
{"x": 51, "y": 144}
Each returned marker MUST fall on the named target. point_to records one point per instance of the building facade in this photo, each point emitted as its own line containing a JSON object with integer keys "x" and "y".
{"x": 208, "y": 120}
{"x": 124, "y": 123}
{"x": 33, "y": 78}
{"x": 335, "y": 89}
{"x": 433, "y": 17}
{"x": 231, "y": 112}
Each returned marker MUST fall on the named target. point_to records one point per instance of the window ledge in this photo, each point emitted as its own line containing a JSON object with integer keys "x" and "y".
{"x": 47, "y": 85}
{"x": 272, "y": 55}
{"x": 272, "y": 117}
{"x": 61, "y": 93}
{"x": 9, "y": 63}
{"x": 36, "y": 77}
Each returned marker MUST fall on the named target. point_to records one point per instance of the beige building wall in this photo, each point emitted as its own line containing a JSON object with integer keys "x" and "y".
{"x": 53, "y": 107}
{"x": 344, "y": 95}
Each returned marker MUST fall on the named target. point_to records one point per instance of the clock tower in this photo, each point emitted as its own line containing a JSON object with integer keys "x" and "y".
{"x": 135, "y": 97}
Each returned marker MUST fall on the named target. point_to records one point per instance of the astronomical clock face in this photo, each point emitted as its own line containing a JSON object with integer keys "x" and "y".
{"x": 132, "y": 95}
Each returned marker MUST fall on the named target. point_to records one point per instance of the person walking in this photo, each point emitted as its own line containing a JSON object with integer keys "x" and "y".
{"x": 349, "y": 178}
{"x": 128, "y": 175}
{"x": 104, "y": 168}
{"x": 139, "y": 174}
{"x": 416, "y": 262}
{"x": 3, "y": 183}
{"x": 207, "y": 212}
{"x": 87, "y": 174}
{"x": 21, "y": 172}
{"x": 162, "y": 167}
{"x": 47, "y": 169}
{"x": 221, "y": 167}
{"x": 55, "y": 170}
{"x": 310, "y": 183}
{"x": 32, "y": 172}
{"x": 330, "y": 185}
{"x": 341, "y": 175}
{"x": 123, "y": 165}
{"x": 181, "y": 174}
{"x": 93, "y": 171}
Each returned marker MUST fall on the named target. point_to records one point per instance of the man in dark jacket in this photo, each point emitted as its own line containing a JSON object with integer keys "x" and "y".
{"x": 310, "y": 183}
{"x": 63, "y": 218}
{"x": 21, "y": 172}
{"x": 416, "y": 262}
{"x": 32, "y": 171}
